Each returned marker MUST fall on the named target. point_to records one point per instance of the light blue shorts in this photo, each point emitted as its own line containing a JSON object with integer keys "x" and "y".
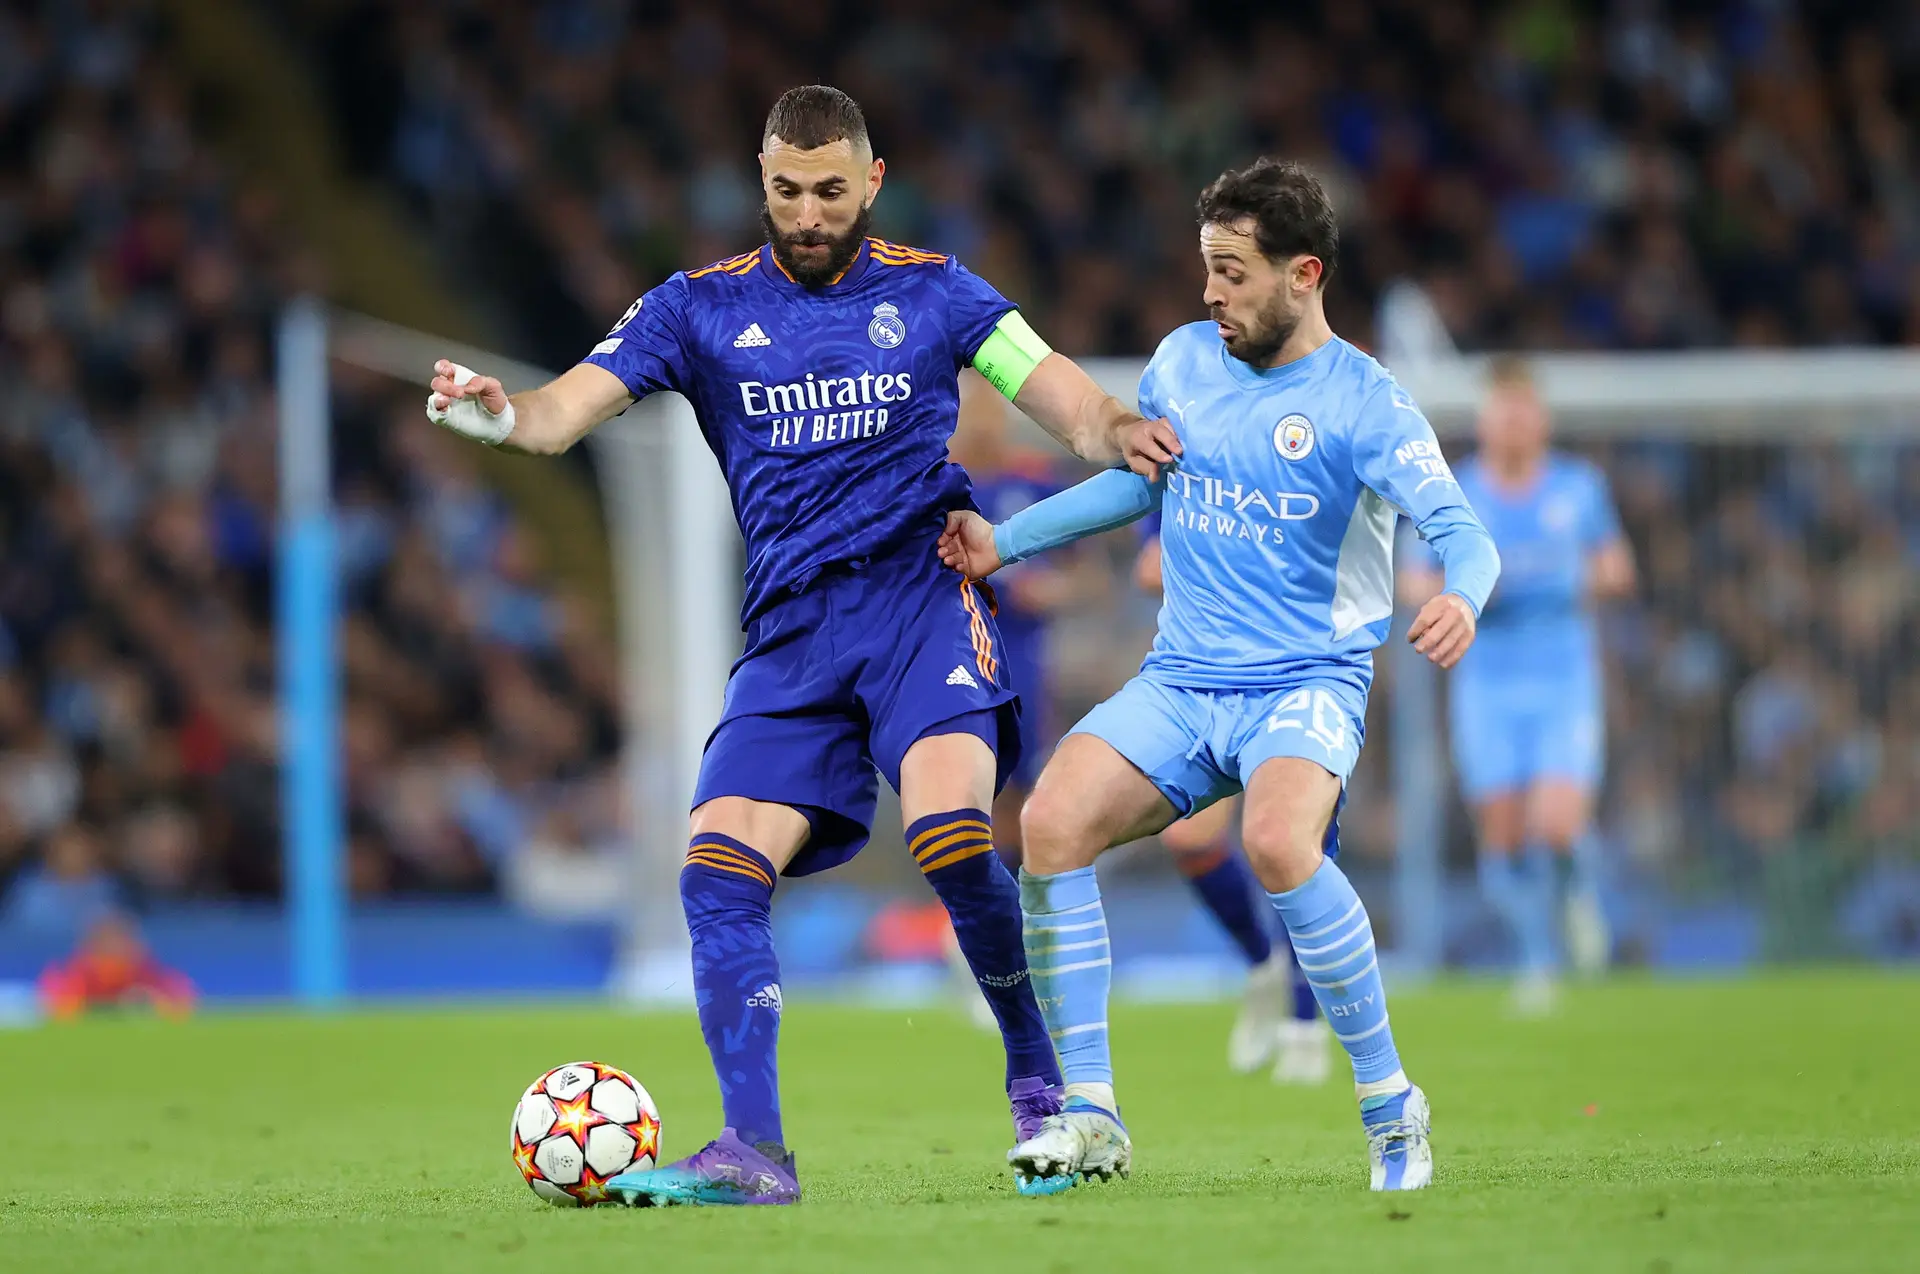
{"x": 1201, "y": 746}
{"x": 1509, "y": 735}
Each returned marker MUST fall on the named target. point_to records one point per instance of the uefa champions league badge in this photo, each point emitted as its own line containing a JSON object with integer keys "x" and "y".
{"x": 887, "y": 330}
{"x": 1293, "y": 437}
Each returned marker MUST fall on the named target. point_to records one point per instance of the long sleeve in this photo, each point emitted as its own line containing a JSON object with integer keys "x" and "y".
{"x": 1105, "y": 501}
{"x": 1466, "y": 552}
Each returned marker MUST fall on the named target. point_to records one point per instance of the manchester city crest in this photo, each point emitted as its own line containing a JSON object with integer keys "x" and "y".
{"x": 1293, "y": 437}
{"x": 887, "y": 329}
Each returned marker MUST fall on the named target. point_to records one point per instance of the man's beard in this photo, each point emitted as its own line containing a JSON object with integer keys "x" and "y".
{"x": 841, "y": 249}
{"x": 1257, "y": 343}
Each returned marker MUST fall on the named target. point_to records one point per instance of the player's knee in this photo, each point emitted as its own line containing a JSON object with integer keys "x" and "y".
{"x": 1283, "y": 855}
{"x": 1056, "y": 834}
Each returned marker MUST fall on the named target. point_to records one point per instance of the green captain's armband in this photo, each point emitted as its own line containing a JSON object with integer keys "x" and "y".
{"x": 1009, "y": 354}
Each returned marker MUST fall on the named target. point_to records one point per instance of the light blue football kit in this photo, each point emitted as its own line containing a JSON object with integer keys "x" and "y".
{"x": 1277, "y": 540}
{"x": 1526, "y": 701}
{"x": 1277, "y": 543}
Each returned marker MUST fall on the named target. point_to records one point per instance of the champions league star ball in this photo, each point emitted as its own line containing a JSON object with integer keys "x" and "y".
{"x": 579, "y": 1125}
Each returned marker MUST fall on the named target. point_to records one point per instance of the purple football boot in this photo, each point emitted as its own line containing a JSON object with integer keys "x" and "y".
{"x": 1033, "y": 1099}
{"x": 728, "y": 1172}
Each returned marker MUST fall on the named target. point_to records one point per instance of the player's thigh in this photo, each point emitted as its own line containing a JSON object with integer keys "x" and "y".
{"x": 777, "y": 831}
{"x": 1006, "y": 817}
{"x": 1488, "y": 741}
{"x": 1569, "y": 754}
{"x": 1558, "y": 810}
{"x": 949, "y": 771}
{"x": 1500, "y": 821}
{"x": 931, "y": 667}
{"x": 812, "y": 763}
{"x": 1089, "y": 799}
{"x": 1294, "y": 750}
{"x": 1201, "y": 833}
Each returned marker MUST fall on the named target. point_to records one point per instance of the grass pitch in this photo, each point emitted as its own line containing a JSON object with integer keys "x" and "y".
{"x": 1661, "y": 1127}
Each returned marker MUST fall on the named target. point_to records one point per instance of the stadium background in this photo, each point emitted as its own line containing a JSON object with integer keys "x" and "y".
{"x": 1537, "y": 176}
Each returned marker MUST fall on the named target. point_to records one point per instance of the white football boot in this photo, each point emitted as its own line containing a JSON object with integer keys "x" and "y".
{"x": 1589, "y": 942}
{"x": 1398, "y": 1149}
{"x": 1306, "y": 1053}
{"x": 1263, "y": 1011}
{"x": 1075, "y": 1144}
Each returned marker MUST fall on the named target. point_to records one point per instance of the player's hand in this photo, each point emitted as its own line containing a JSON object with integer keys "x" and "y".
{"x": 471, "y": 405}
{"x": 966, "y": 544}
{"x": 1149, "y": 444}
{"x": 1443, "y": 629}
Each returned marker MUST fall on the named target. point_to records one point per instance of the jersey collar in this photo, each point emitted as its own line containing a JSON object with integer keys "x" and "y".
{"x": 849, "y": 276}
{"x": 1272, "y": 377}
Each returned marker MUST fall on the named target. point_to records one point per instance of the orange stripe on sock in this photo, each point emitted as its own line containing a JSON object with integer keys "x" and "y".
{"x": 959, "y": 855}
{"x": 727, "y": 858}
{"x": 736, "y": 869}
{"x": 979, "y": 825}
{"x": 923, "y": 851}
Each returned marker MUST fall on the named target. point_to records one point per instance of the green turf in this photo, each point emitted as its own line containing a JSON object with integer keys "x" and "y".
{"x": 1760, "y": 1125}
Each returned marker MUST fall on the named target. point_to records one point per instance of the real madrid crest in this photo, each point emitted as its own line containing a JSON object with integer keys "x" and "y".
{"x": 887, "y": 329}
{"x": 1293, "y": 437}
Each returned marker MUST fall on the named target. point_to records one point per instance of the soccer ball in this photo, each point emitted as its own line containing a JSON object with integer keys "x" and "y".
{"x": 580, "y": 1124}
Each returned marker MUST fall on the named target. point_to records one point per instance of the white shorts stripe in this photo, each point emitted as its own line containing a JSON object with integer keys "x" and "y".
{"x": 1072, "y": 968}
{"x": 1302, "y": 937}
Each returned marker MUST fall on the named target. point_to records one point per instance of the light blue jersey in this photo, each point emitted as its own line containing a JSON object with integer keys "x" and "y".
{"x": 1277, "y": 554}
{"x": 1526, "y": 700}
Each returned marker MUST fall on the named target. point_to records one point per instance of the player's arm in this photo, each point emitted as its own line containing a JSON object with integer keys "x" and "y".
{"x": 977, "y": 548}
{"x": 1066, "y": 402}
{"x": 1610, "y": 569}
{"x": 646, "y": 352}
{"x": 1397, "y": 456}
{"x": 543, "y": 422}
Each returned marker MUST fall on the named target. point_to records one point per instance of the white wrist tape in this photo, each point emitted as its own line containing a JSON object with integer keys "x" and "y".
{"x": 466, "y": 417}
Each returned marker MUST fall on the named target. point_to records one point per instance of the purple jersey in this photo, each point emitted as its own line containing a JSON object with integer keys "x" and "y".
{"x": 828, "y": 408}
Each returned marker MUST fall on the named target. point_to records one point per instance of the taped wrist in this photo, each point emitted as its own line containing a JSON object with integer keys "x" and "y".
{"x": 466, "y": 416}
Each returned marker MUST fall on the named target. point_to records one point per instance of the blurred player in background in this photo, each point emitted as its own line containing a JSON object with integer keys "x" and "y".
{"x": 1527, "y": 710}
{"x": 1279, "y": 1019}
{"x": 1294, "y": 456}
{"x": 823, "y": 368}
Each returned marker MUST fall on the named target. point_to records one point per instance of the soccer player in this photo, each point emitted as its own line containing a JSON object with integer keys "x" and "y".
{"x": 1527, "y": 710}
{"x": 1279, "y": 1019}
{"x": 1295, "y": 453}
{"x": 822, "y": 367}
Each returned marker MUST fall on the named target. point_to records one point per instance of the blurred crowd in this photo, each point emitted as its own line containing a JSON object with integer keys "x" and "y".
{"x": 1765, "y": 696}
{"x": 1557, "y": 173}
{"x": 1625, "y": 173}
{"x": 139, "y": 744}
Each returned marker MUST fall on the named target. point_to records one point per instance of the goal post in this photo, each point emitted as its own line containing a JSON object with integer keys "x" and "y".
{"x": 676, "y": 593}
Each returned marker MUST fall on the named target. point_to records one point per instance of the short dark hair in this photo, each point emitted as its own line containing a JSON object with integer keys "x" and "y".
{"x": 813, "y": 115}
{"x": 1288, "y": 206}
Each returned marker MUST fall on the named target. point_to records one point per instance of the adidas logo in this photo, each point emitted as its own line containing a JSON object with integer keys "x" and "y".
{"x": 752, "y": 338}
{"x": 961, "y": 677}
{"x": 768, "y": 996}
